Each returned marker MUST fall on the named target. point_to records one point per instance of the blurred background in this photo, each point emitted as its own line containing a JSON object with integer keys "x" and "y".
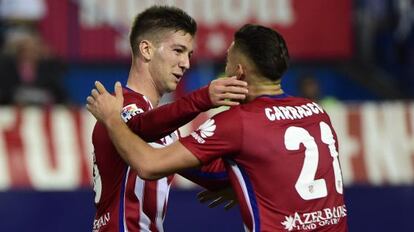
{"x": 355, "y": 57}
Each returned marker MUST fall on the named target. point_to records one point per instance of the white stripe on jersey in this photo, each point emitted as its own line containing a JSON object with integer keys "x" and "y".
{"x": 162, "y": 193}
{"x": 144, "y": 220}
{"x": 123, "y": 198}
{"x": 235, "y": 168}
{"x": 149, "y": 102}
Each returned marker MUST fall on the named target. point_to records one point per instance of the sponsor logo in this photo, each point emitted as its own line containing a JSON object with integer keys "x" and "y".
{"x": 313, "y": 220}
{"x": 130, "y": 111}
{"x": 204, "y": 131}
{"x": 101, "y": 221}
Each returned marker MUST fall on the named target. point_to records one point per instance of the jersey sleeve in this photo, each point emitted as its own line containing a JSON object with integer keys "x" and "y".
{"x": 220, "y": 136}
{"x": 163, "y": 120}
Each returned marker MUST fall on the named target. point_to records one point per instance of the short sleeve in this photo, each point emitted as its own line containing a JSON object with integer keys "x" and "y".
{"x": 218, "y": 137}
{"x": 134, "y": 105}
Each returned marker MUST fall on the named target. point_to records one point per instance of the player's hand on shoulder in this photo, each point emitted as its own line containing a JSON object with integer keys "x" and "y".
{"x": 103, "y": 105}
{"x": 227, "y": 91}
{"x": 224, "y": 196}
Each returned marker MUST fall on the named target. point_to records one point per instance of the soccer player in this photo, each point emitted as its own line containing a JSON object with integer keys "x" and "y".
{"x": 162, "y": 42}
{"x": 281, "y": 151}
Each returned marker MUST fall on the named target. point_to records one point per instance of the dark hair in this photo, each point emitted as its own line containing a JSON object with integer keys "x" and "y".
{"x": 265, "y": 47}
{"x": 157, "y": 18}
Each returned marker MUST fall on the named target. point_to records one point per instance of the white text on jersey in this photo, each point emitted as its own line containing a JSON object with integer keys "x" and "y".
{"x": 292, "y": 112}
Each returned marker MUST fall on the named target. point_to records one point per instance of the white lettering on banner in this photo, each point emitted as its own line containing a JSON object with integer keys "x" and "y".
{"x": 210, "y": 12}
{"x": 348, "y": 144}
{"x": 270, "y": 11}
{"x": 387, "y": 144}
{"x": 88, "y": 123}
{"x": 6, "y": 120}
{"x": 43, "y": 176}
{"x": 376, "y": 144}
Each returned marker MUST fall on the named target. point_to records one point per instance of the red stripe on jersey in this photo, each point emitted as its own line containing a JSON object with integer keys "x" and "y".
{"x": 150, "y": 202}
{"x": 132, "y": 204}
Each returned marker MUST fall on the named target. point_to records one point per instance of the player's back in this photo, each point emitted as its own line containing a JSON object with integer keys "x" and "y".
{"x": 289, "y": 167}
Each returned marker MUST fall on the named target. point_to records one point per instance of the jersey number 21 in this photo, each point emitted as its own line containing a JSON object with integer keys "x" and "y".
{"x": 306, "y": 185}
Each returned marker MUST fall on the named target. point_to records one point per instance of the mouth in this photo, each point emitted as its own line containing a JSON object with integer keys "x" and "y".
{"x": 177, "y": 76}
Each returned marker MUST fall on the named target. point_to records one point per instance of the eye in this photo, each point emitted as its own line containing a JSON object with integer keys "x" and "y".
{"x": 178, "y": 50}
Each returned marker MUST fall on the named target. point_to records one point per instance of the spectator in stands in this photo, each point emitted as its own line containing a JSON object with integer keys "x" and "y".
{"x": 309, "y": 87}
{"x": 30, "y": 74}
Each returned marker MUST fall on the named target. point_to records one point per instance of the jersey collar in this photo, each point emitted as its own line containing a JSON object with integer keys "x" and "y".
{"x": 278, "y": 96}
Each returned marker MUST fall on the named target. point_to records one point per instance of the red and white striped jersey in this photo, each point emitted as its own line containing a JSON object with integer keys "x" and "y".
{"x": 282, "y": 160}
{"x": 125, "y": 202}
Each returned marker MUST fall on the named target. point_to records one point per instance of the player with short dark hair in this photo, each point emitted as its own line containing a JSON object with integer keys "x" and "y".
{"x": 162, "y": 44}
{"x": 281, "y": 151}
{"x": 157, "y": 20}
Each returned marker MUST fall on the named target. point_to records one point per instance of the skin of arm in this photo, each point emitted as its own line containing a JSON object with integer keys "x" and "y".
{"x": 150, "y": 163}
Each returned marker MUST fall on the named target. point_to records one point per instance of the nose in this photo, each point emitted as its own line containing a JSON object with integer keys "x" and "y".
{"x": 185, "y": 63}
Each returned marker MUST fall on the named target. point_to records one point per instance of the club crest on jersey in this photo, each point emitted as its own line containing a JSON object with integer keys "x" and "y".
{"x": 204, "y": 131}
{"x": 130, "y": 111}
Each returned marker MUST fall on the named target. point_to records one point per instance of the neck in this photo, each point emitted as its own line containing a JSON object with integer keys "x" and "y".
{"x": 141, "y": 81}
{"x": 263, "y": 87}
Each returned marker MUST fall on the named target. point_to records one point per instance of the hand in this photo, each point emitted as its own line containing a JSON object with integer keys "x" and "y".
{"x": 103, "y": 105}
{"x": 218, "y": 197}
{"x": 227, "y": 91}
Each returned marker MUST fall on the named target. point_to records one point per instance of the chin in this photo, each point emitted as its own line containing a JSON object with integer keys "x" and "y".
{"x": 171, "y": 88}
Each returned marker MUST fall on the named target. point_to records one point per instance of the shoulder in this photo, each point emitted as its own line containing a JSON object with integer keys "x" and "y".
{"x": 229, "y": 115}
{"x": 227, "y": 121}
{"x": 135, "y": 98}
{"x": 134, "y": 104}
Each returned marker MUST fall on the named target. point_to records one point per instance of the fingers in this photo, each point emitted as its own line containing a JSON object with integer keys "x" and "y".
{"x": 94, "y": 93}
{"x": 230, "y": 99}
{"x": 118, "y": 89}
{"x": 234, "y": 81}
{"x": 233, "y": 89}
{"x": 230, "y": 205}
{"x": 232, "y": 96}
{"x": 227, "y": 103}
{"x": 217, "y": 202}
{"x": 100, "y": 87}
{"x": 90, "y": 100}
{"x": 206, "y": 196}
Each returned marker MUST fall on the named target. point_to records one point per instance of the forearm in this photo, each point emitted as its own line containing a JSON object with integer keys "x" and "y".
{"x": 150, "y": 163}
{"x": 131, "y": 148}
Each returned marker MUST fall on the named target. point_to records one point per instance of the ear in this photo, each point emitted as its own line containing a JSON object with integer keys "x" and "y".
{"x": 240, "y": 72}
{"x": 145, "y": 48}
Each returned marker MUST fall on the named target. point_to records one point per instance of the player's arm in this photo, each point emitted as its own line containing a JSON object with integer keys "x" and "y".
{"x": 150, "y": 163}
{"x": 158, "y": 123}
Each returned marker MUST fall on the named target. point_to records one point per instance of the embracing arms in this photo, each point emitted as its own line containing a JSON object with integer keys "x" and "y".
{"x": 163, "y": 120}
{"x": 149, "y": 162}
